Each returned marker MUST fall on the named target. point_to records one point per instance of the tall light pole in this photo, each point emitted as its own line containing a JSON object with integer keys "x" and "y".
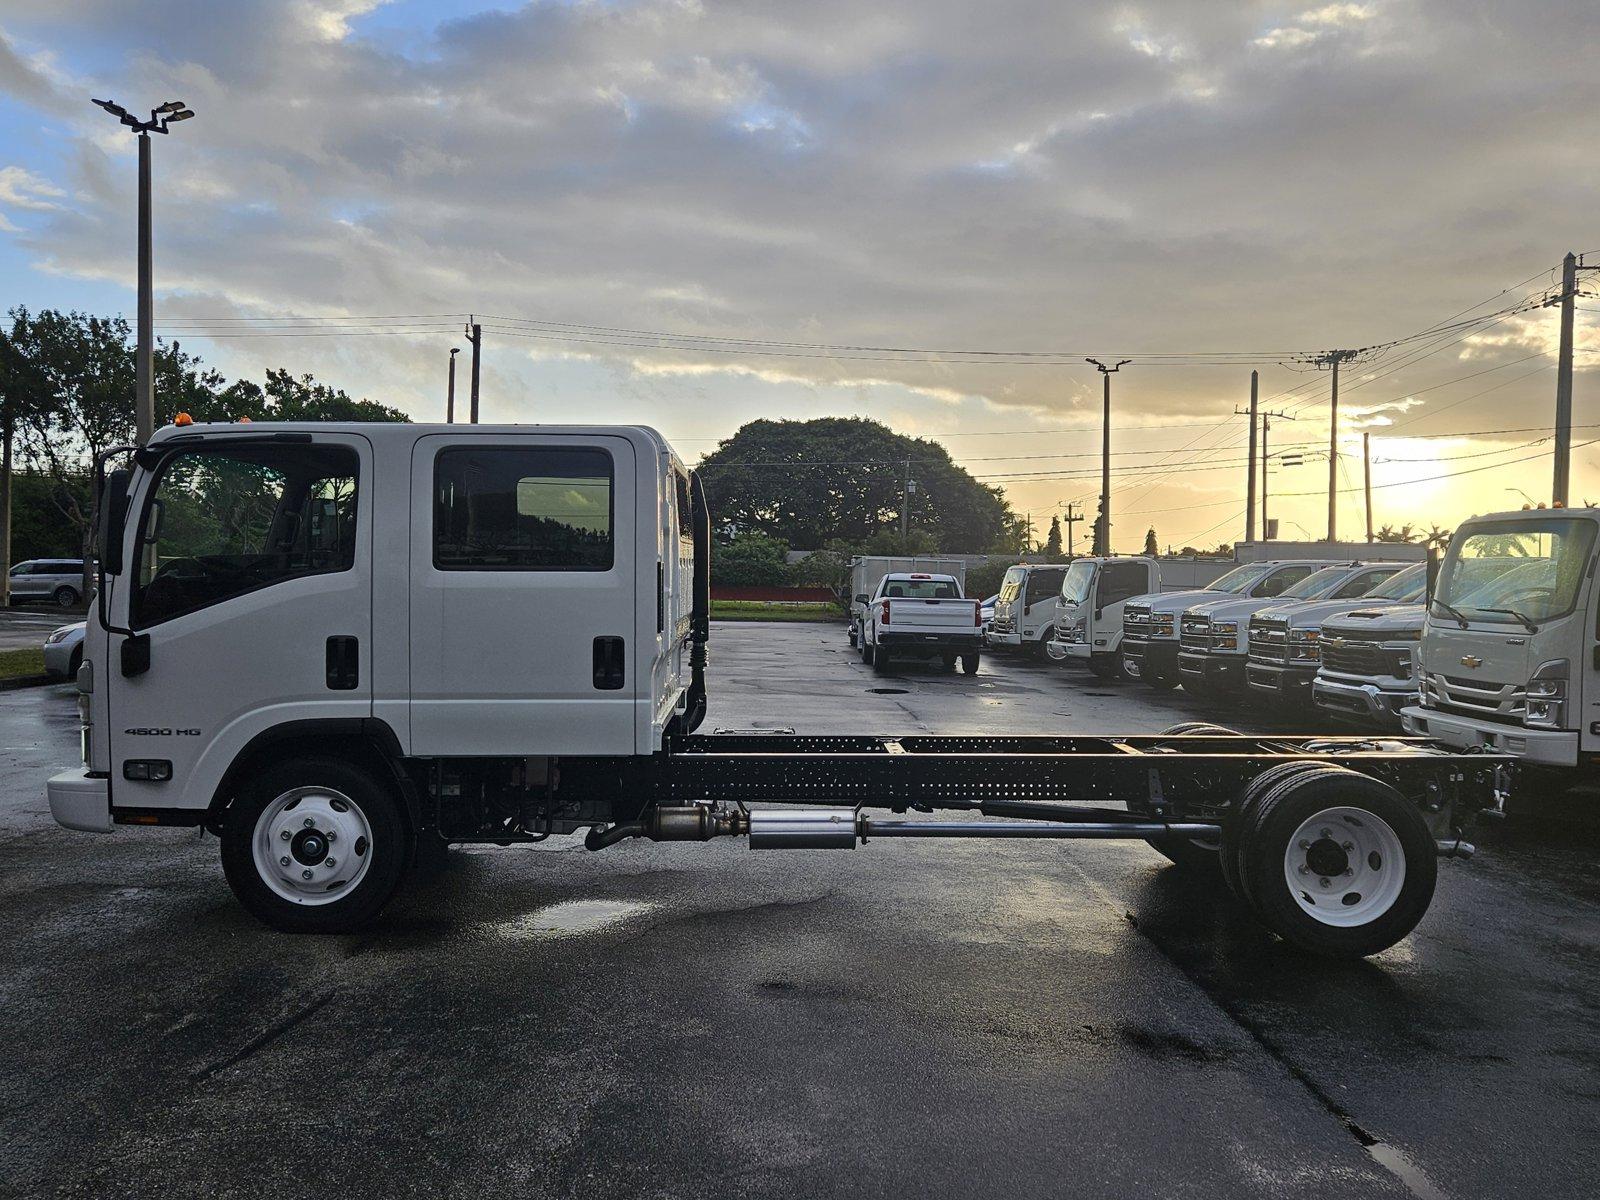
{"x": 144, "y": 412}
{"x": 450, "y": 398}
{"x": 1102, "y": 535}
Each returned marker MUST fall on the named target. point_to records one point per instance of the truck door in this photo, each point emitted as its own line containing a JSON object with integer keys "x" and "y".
{"x": 524, "y": 595}
{"x": 1116, "y": 584}
{"x": 249, "y": 594}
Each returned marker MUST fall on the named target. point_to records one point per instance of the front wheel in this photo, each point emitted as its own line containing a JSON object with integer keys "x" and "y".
{"x": 1161, "y": 683}
{"x": 1105, "y": 666}
{"x": 314, "y": 845}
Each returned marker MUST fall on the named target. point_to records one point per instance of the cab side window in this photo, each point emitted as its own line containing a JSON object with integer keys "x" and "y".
{"x": 233, "y": 520}
{"x": 1361, "y": 584}
{"x": 512, "y": 508}
{"x": 1118, "y": 582}
{"x": 1281, "y": 580}
{"x": 1043, "y": 585}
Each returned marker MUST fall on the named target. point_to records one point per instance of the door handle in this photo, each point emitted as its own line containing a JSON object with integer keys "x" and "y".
{"x": 610, "y": 672}
{"x": 344, "y": 663}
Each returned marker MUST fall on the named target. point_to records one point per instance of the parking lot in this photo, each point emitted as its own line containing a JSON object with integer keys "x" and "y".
{"x": 912, "y": 1018}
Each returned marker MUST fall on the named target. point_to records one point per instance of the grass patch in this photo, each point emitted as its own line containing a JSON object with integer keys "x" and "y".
{"x": 27, "y": 661}
{"x": 760, "y": 610}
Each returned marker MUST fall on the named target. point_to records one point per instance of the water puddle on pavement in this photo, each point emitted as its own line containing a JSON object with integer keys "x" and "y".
{"x": 571, "y": 918}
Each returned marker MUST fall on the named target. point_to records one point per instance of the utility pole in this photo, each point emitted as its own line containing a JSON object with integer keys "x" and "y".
{"x": 1332, "y": 359}
{"x": 450, "y": 396}
{"x": 1250, "y": 470}
{"x": 1366, "y": 476}
{"x": 905, "y": 504}
{"x": 1570, "y": 266}
{"x": 1070, "y": 519}
{"x": 144, "y": 391}
{"x": 1266, "y": 428}
{"x": 475, "y": 336}
{"x": 1102, "y": 540}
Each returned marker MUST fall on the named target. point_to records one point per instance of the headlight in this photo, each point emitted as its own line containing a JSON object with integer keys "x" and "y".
{"x": 1225, "y": 627}
{"x": 1547, "y": 696}
{"x": 59, "y": 635}
{"x": 1161, "y": 619}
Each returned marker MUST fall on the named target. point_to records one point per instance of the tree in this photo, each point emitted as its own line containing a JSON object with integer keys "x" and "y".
{"x": 1151, "y": 546}
{"x": 889, "y": 542}
{"x": 828, "y": 568}
{"x": 1438, "y": 539}
{"x": 811, "y": 482}
{"x": 751, "y": 560}
{"x": 1052, "y": 543}
{"x": 1388, "y": 533}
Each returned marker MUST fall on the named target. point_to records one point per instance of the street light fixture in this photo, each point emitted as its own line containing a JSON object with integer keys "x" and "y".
{"x": 145, "y": 394}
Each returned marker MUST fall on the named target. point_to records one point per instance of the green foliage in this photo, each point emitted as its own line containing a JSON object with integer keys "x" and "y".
{"x": 1052, "y": 543}
{"x": 1151, "y": 546}
{"x": 887, "y": 542}
{"x": 842, "y": 478}
{"x": 984, "y": 581}
{"x": 750, "y": 560}
{"x": 825, "y": 568}
{"x": 1388, "y": 533}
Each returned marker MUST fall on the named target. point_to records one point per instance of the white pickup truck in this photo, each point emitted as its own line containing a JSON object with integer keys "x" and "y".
{"x": 914, "y": 614}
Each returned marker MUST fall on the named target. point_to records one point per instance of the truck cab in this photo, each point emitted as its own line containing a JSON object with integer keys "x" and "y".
{"x": 1510, "y": 649}
{"x": 1094, "y": 592}
{"x": 1214, "y": 637}
{"x": 1150, "y": 623}
{"x": 1286, "y": 640}
{"x": 1025, "y": 612}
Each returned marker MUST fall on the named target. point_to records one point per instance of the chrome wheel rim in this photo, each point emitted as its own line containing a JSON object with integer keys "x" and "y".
{"x": 312, "y": 845}
{"x": 1345, "y": 867}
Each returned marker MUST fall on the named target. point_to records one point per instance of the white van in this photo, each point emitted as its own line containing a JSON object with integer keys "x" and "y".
{"x": 58, "y": 580}
{"x": 1089, "y": 622}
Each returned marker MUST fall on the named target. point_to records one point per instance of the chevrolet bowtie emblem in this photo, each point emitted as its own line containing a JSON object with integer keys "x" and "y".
{"x": 1471, "y": 660}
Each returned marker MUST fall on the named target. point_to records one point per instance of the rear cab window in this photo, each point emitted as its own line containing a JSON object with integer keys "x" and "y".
{"x": 534, "y": 508}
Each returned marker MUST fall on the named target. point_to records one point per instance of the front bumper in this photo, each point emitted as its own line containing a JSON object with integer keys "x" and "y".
{"x": 1153, "y": 656}
{"x": 79, "y": 800}
{"x": 1291, "y": 682}
{"x": 58, "y": 658}
{"x": 1547, "y": 747}
{"x": 1212, "y": 669}
{"x": 1365, "y": 700}
{"x": 1009, "y": 638}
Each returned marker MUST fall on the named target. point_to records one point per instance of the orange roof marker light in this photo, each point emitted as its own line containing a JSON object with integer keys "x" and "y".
{"x": 183, "y": 419}
{"x": 244, "y": 420}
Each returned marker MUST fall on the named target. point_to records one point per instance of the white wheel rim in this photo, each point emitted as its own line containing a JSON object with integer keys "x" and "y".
{"x": 1055, "y": 650}
{"x": 1345, "y": 867}
{"x": 312, "y": 845}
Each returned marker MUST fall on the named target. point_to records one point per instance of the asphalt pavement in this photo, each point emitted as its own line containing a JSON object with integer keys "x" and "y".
{"x": 906, "y": 1019}
{"x": 26, "y": 626}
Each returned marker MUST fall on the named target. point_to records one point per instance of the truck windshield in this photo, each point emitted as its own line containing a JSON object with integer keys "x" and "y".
{"x": 1529, "y": 569}
{"x": 1402, "y": 587}
{"x": 1011, "y": 585}
{"x": 921, "y": 589}
{"x": 1238, "y": 579}
{"x": 1315, "y": 584}
{"x": 1076, "y": 582}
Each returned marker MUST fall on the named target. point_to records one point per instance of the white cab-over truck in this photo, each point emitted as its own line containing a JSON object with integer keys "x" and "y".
{"x": 914, "y": 614}
{"x": 1094, "y": 592}
{"x": 340, "y": 648}
{"x": 1510, "y": 650}
{"x": 1025, "y": 612}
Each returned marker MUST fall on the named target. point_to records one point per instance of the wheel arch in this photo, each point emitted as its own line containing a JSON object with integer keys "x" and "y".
{"x": 368, "y": 741}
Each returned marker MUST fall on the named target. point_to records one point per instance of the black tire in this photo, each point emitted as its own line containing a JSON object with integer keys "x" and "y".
{"x": 1160, "y": 683}
{"x": 390, "y": 846}
{"x": 1036, "y": 650}
{"x": 1272, "y": 827}
{"x": 1105, "y": 666}
{"x": 66, "y": 597}
{"x": 949, "y": 661}
{"x": 1242, "y": 813}
{"x": 74, "y": 663}
{"x": 1190, "y": 854}
{"x": 880, "y": 660}
{"x": 969, "y": 663}
{"x": 868, "y": 653}
{"x": 852, "y": 637}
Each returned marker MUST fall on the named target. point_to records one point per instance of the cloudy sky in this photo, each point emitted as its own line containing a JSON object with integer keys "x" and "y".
{"x": 1201, "y": 187}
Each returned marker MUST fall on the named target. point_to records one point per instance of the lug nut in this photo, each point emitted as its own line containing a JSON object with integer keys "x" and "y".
{"x": 1305, "y": 870}
{"x": 310, "y": 821}
{"x": 284, "y": 861}
{"x": 1347, "y": 846}
{"x": 329, "y": 835}
{"x": 330, "y": 863}
{"x": 1349, "y": 871}
{"x": 1322, "y": 882}
{"x": 307, "y": 875}
{"x": 1304, "y": 845}
{"x": 284, "y": 835}
{"x": 1325, "y": 833}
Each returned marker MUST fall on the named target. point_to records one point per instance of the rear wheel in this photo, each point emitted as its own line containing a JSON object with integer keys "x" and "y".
{"x": 880, "y": 660}
{"x": 867, "y": 652}
{"x": 949, "y": 661}
{"x": 314, "y": 845}
{"x": 1338, "y": 863}
{"x": 65, "y": 596}
{"x": 969, "y": 663}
